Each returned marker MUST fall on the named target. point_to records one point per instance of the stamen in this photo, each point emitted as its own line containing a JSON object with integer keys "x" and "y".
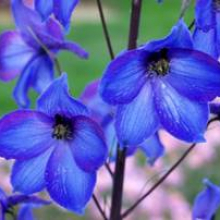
{"x": 62, "y": 128}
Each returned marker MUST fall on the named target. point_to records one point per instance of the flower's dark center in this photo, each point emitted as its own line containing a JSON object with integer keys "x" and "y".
{"x": 62, "y": 129}
{"x": 216, "y": 5}
{"x": 158, "y": 63}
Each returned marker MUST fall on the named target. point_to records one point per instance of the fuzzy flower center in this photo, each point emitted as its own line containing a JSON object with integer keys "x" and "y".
{"x": 160, "y": 67}
{"x": 62, "y": 129}
{"x": 158, "y": 63}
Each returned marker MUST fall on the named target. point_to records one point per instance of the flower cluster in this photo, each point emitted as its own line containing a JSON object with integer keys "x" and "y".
{"x": 164, "y": 84}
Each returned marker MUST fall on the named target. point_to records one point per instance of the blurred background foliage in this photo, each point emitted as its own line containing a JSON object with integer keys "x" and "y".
{"x": 156, "y": 22}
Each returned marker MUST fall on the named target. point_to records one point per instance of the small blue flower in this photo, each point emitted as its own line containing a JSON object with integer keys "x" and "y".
{"x": 7, "y": 204}
{"x": 22, "y": 52}
{"x": 206, "y": 202}
{"x": 103, "y": 114}
{"x": 206, "y": 35}
{"x": 163, "y": 83}
{"x": 57, "y": 146}
{"x": 62, "y": 10}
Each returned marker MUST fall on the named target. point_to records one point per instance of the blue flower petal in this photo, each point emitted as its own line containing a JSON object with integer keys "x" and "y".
{"x": 44, "y": 8}
{"x": 25, "y": 213}
{"x": 3, "y": 200}
{"x": 206, "y": 41}
{"x": 63, "y": 11}
{"x": 57, "y": 100}
{"x": 205, "y": 14}
{"x": 215, "y": 108}
{"x": 137, "y": 120}
{"x": 25, "y": 134}
{"x": 88, "y": 146}
{"x": 28, "y": 175}
{"x": 179, "y": 36}
{"x": 206, "y": 202}
{"x": 124, "y": 77}
{"x": 26, "y": 199}
{"x": 14, "y": 54}
{"x": 194, "y": 74}
{"x": 181, "y": 117}
{"x": 152, "y": 148}
{"x": 37, "y": 73}
{"x": 66, "y": 183}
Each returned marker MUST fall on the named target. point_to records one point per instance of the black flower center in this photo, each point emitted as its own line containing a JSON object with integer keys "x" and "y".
{"x": 216, "y": 5}
{"x": 62, "y": 129}
{"x": 158, "y": 63}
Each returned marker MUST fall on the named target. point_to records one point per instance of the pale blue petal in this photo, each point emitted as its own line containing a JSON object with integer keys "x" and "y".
{"x": 206, "y": 202}
{"x": 57, "y": 100}
{"x": 25, "y": 213}
{"x": 137, "y": 120}
{"x": 88, "y": 145}
{"x": 152, "y": 148}
{"x": 206, "y": 41}
{"x": 28, "y": 175}
{"x": 14, "y": 55}
{"x": 38, "y": 73}
{"x": 66, "y": 183}
{"x": 181, "y": 117}
{"x": 63, "y": 11}
{"x": 44, "y": 8}
{"x": 25, "y": 134}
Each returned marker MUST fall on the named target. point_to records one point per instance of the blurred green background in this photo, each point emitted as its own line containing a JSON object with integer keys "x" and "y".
{"x": 156, "y": 22}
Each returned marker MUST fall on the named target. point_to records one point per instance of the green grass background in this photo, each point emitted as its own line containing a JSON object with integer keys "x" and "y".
{"x": 156, "y": 22}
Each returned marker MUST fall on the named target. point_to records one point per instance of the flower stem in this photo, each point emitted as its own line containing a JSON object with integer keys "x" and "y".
{"x": 164, "y": 177}
{"x": 134, "y": 23}
{"x": 96, "y": 201}
{"x": 118, "y": 185}
{"x": 118, "y": 181}
{"x": 105, "y": 29}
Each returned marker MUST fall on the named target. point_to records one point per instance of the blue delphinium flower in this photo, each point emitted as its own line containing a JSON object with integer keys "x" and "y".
{"x": 163, "y": 83}
{"x": 7, "y": 203}
{"x": 206, "y": 202}
{"x": 103, "y": 114}
{"x": 206, "y": 35}
{"x": 22, "y": 51}
{"x": 57, "y": 146}
{"x": 62, "y": 10}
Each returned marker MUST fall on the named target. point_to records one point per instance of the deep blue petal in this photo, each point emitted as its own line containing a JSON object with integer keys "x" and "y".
{"x": 26, "y": 199}
{"x": 38, "y": 73}
{"x": 25, "y": 134}
{"x": 44, "y": 8}
{"x": 63, "y": 11}
{"x": 215, "y": 108}
{"x": 57, "y": 100}
{"x": 205, "y": 14}
{"x": 194, "y": 74}
{"x": 152, "y": 148}
{"x": 66, "y": 183}
{"x": 25, "y": 213}
{"x": 137, "y": 120}
{"x": 88, "y": 146}
{"x": 206, "y": 202}
{"x": 179, "y": 36}
{"x": 124, "y": 77}
{"x": 206, "y": 41}
{"x": 14, "y": 54}
{"x": 180, "y": 116}
{"x": 3, "y": 200}
{"x": 28, "y": 175}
